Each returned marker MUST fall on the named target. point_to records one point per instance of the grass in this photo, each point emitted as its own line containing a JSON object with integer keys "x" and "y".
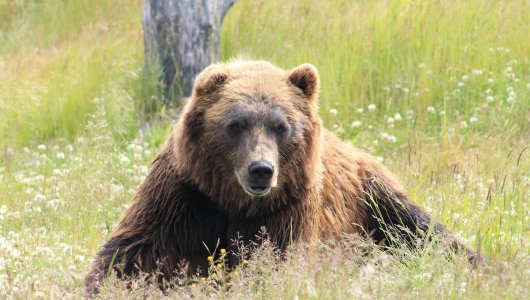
{"x": 437, "y": 90}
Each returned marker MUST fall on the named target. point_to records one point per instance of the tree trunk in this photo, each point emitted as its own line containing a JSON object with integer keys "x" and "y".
{"x": 182, "y": 37}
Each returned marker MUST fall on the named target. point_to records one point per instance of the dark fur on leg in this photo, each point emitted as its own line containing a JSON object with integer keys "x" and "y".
{"x": 394, "y": 218}
{"x": 168, "y": 223}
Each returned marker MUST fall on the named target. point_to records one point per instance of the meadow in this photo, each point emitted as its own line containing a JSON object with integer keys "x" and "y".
{"x": 439, "y": 91}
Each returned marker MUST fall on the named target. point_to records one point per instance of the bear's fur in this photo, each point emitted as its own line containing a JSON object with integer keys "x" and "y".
{"x": 198, "y": 194}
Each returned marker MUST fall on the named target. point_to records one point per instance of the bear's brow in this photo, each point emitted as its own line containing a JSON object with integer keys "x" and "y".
{"x": 253, "y": 114}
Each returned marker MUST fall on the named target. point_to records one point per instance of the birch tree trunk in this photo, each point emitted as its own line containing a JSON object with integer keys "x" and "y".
{"x": 182, "y": 37}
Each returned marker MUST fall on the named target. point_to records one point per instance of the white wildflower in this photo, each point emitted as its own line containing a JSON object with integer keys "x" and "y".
{"x": 388, "y": 138}
{"x": 143, "y": 170}
{"x": 360, "y": 110}
{"x": 489, "y": 99}
{"x": 476, "y": 72}
{"x": 473, "y": 120}
{"x": 371, "y": 107}
{"x": 40, "y": 198}
{"x": 333, "y": 112}
{"x": 463, "y": 124}
{"x": 41, "y": 147}
{"x": 463, "y": 286}
{"x": 125, "y": 160}
{"x": 460, "y": 84}
{"x": 60, "y": 155}
{"x": 15, "y": 253}
{"x": 397, "y": 117}
{"x": 430, "y": 109}
{"x": 465, "y": 78}
{"x": 390, "y": 121}
{"x": 356, "y": 124}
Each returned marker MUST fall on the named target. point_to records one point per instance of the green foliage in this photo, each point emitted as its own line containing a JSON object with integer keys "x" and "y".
{"x": 91, "y": 56}
{"x": 34, "y": 24}
{"x": 437, "y": 90}
{"x": 398, "y": 55}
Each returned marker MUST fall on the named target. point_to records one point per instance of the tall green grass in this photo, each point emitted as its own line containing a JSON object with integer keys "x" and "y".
{"x": 27, "y": 25}
{"x": 63, "y": 59}
{"x": 437, "y": 90}
{"x": 399, "y": 55}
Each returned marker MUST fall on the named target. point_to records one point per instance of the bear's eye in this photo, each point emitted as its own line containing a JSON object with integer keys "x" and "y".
{"x": 280, "y": 129}
{"x": 235, "y": 127}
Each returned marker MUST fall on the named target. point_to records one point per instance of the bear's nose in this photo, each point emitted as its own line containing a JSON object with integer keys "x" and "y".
{"x": 261, "y": 171}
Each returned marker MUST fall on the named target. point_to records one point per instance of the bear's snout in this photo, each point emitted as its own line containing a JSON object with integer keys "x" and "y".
{"x": 260, "y": 171}
{"x": 260, "y": 177}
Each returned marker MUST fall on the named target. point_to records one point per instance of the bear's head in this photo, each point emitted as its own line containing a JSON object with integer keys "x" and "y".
{"x": 249, "y": 136}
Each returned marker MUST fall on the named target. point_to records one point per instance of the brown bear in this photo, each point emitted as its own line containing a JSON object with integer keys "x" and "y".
{"x": 249, "y": 152}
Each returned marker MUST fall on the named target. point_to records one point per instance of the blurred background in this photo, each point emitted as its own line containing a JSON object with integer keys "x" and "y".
{"x": 437, "y": 90}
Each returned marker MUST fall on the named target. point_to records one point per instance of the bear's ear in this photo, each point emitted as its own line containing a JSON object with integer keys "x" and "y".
{"x": 209, "y": 80}
{"x": 305, "y": 77}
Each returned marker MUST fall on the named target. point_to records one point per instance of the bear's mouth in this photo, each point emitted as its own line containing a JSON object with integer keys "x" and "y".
{"x": 257, "y": 190}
